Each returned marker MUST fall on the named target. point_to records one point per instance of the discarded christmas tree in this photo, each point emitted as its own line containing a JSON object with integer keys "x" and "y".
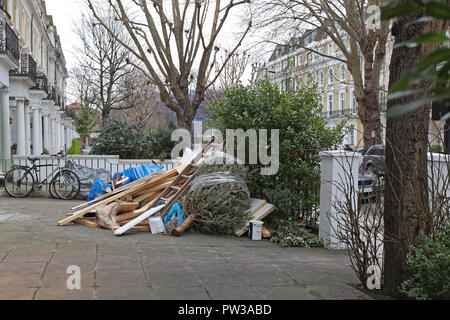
{"x": 218, "y": 200}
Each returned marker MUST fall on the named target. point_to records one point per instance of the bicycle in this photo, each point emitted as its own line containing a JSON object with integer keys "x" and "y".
{"x": 20, "y": 181}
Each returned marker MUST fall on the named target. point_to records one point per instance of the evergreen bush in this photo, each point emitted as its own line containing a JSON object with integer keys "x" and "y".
{"x": 74, "y": 148}
{"x": 294, "y": 190}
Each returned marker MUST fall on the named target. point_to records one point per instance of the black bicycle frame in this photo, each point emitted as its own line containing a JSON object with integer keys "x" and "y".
{"x": 34, "y": 169}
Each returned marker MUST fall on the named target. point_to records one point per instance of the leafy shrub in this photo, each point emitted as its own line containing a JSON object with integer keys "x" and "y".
{"x": 289, "y": 233}
{"x": 75, "y": 147}
{"x": 430, "y": 262}
{"x": 130, "y": 141}
{"x": 294, "y": 189}
{"x": 436, "y": 148}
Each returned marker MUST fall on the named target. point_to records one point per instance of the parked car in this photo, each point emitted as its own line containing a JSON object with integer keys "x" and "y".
{"x": 369, "y": 184}
{"x": 373, "y": 159}
{"x": 360, "y": 150}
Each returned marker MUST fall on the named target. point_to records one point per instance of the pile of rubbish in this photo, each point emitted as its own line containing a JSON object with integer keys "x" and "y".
{"x": 197, "y": 193}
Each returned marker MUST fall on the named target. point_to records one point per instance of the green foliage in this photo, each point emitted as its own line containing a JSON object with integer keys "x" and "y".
{"x": 130, "y": 141}
{"x": 430, "y": 262}
{"x": 74, "y": 148}
{"x": 436, "y": 148}
{"x": 290, "y": 233}
{"x": 219, "y": 199}
{"x": 85, "y": 121}
{"x": 294, "y": 188}
{"x": 427, "y": 68}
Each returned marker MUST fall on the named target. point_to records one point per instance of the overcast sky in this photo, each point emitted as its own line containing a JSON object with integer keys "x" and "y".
{"x": 65, "y": 13}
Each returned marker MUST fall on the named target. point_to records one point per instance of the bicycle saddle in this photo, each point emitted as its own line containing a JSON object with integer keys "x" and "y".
{"x": 33, "y": 159}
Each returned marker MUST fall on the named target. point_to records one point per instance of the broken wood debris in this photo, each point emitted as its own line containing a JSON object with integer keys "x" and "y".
{"x": 128, "y": 208}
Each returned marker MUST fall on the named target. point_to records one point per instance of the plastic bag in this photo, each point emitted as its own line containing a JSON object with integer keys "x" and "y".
{"x": 174, "y": 218}
{"x": 211, "y": 179}
{"x": 88, "y": 176}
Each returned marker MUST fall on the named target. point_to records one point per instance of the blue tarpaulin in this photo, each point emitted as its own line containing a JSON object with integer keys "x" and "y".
{"x": 134, "y": 173}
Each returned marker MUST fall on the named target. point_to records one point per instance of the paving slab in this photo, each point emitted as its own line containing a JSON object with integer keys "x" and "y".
{"x": 35, "y": 253}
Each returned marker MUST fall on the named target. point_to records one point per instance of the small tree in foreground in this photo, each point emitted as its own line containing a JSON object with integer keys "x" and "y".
{"x": 294, "y": 188}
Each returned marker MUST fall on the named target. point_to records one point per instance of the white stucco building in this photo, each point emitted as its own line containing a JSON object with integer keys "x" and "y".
{"x": 32, "y": 80}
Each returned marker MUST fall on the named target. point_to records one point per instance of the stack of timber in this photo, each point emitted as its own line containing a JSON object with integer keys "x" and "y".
{"x": 132, "y": 204}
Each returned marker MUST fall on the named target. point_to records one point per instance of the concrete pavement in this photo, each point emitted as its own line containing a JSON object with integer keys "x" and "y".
{"x": 35, "y": 254}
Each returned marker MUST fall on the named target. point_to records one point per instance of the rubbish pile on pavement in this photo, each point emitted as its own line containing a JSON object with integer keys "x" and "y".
{"x": 150, "y": 203}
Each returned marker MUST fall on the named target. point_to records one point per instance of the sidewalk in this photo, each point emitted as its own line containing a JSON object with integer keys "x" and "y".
{"x": 35, "y": 254}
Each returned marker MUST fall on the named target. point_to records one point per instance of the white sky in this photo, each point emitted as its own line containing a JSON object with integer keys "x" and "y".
{"x": 65, "y": 14}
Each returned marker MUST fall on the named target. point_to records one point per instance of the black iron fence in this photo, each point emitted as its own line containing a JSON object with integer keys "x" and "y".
{"x": 41, "y": 83}
{"x": 340, "y": 113}
{"x": 9, "y": 42}
{"x": 27, "y": 66}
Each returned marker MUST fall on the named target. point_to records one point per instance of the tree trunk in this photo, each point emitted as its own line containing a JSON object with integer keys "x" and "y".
{"x": 406, "y": 209}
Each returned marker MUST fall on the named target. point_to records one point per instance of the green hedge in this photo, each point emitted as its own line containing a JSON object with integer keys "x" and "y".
{"x": 297, "y": 114}
{"x": 430, "y": 262}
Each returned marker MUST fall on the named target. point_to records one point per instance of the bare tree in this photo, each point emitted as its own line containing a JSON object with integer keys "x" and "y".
{"x": 339, "y": 19}
{"x": 141, "y": 101}
{"x": 231, "y": 75}
{"x": 102, "y": 65}
{"x": 174, "y": 43}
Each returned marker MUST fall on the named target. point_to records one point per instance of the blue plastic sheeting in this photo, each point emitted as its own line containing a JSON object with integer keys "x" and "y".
{"x": 136, "y": 173}
{"x": 97, "y": 189}
{"x": 174, "y": 214}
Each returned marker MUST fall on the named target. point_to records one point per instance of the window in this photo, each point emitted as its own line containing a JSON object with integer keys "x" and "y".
{"x": 330, "y": 103}
{"x": 343, "y": 72}
{"x": 350, "y": 137}
{"x": 309, "y": 57}
{"x": 330, "y": 76}
{"x": 353, "y": 104}
{"x": 309, "y": 78}
{"x": 341, "y": 102}
{"x": 320, "y": 78}
{"x": 330, "y": 49}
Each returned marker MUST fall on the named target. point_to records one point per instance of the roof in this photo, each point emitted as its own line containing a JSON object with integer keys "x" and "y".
{"x": 75, "y": 105}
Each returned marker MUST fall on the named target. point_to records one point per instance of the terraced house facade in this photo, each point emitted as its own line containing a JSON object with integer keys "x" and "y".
{"x": 33, "y": 82}
{"x": 293, "y": 66}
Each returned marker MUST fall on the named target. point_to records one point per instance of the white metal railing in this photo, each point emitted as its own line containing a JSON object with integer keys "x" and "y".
{"x": 112, "y": 163}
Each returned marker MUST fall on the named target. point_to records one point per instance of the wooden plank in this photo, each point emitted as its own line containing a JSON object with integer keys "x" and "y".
{"x": 137, "y": 220}
{"x": 118, "y": 190}
{"x": 257, "y": 215}
{"x": 86, "y": 222}
{"x": 126, "y": 206}
{"x": 137, "y": 229}
{"x": 266, "y": 231}
{"x": 82, "y": 212}
{"x": 158, "y": 187}
{"x": 143, "y": 223}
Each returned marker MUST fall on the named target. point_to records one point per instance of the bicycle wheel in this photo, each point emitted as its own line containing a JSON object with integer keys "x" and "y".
{"x": 51, "y": 189}
{"x": 19, "y": 182}
{"x": 66, "y": 184}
